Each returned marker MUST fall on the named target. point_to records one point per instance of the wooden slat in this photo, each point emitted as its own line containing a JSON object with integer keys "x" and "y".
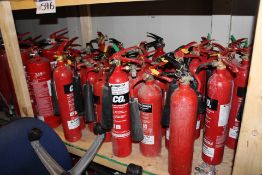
{"x": 85, "y": 24}
{"x": 30, "y": 4}
{"x": 8, "y": 31}
{"x": 156, "y": 165}
{"x": 249, "y": 151}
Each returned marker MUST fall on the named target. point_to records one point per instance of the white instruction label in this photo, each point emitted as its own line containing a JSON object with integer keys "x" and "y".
{"x": 223, "y": 114}
{"x": 119, "y": 89}
{"x": 73, "y": 124}
{"x": 167, "y": 133}
{"x": 45, "y": 6}
{"x": 149, "y": 140}
{"x": 198, "y": 124}
{"x": 233, "y": 132}
{"x": 208, "y": 151}
{"x": 49, "y": 87}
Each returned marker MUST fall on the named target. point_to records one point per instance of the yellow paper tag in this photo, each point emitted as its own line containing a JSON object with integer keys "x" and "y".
{"x": 105, "y": 49}
{"x": 163, "y": 60}
{"x": 154, "y": 71}
{"x": 69, "y": 62}
{"x": 185, "y": 51}
{"x": 216, "y": 54}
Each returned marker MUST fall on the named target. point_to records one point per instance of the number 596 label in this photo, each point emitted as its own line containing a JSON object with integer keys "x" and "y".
{"x": 45, "y": 6}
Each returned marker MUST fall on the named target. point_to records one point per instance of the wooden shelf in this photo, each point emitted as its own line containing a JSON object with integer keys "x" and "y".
{"x": 30, "y": 4}
{"x": 157, "y": 165}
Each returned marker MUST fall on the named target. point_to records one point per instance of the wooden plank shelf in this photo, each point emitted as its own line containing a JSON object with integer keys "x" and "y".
{"x": 156, "y": 165}
{"x": 30, "y": 4}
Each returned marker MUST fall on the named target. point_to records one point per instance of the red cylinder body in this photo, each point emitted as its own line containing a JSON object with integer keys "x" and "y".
{"x": 97, "y": 94}
{"x": 64, "y": 89}
{"x": 240, "y": 85}
{"x": 150, "y": 107}
{"x": 39, "y": 77}
{"x": 217, "y": 112}
{"x": 182, "y": 130}
{"x": 121, "y": 138}
{"x": 202, "y": 77}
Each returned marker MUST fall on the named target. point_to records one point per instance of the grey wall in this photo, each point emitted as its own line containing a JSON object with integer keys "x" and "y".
{"x": 178, "y": 22}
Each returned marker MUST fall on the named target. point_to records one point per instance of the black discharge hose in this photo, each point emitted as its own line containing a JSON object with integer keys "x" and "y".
{"x": 79, "y": 105}
{"x": 166, "y": 111}
{"x": 136, "y": 125}
{"x": 88, "y": 103}
{"x": 107, "y": 110}
{"x": 54, "y": 97}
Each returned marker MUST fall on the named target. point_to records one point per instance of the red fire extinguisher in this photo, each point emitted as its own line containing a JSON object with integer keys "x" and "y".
{"x": 218, "y": 104}
{"x": 63, "y": 79}
{"x": 182, "y": 128}
{"x": 150, "y": 107}
{"x": 239, "y": 91}
{"x": 97, "y": 95}
{"x": 121, "y": 135}
{"x": 39, "y": 76}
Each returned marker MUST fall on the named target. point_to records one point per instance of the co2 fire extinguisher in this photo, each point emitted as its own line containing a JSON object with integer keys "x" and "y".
{"x": 183, "y": 116}
{"x": 121, "y": 135}
{"x": 150, "y": 107}
{"x": 63, "y": 80}
{"x": 239, "y": 92}
{"x": 218, "y": 103}
{"x": 39, "y": 76}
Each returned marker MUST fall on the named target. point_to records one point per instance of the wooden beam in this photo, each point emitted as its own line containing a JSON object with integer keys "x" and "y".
{"x": 30, "y": 4}
{"x": 85, "y": 24}
{"x": 8, "y": 31}
{"x": 248, "y": 158}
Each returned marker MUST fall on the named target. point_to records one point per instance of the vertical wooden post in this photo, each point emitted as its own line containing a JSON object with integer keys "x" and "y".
{"x": 248, "y": 158}
{"x": 8, "y": 31}
{"x": 85, "y": 23}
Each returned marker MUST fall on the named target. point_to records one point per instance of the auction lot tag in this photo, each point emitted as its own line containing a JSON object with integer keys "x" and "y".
{"x": 45, "y": 6}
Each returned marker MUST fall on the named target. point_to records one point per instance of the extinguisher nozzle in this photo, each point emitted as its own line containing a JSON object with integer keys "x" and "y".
{"x": 89, "y": 106}
{"x": 136, "y": 125}
{"x": 107, "y": 110}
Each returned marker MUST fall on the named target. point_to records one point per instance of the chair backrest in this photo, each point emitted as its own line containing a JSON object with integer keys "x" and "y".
{"x": 17, "y": 156}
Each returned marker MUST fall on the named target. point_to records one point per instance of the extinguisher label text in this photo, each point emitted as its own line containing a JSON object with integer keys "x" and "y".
{"x": 223, "y": 114}
{"x": 149, "y": 140}
{"x": 120, "y": 99}
{"x": 73, "y": 124}
{"x": 145, "y": 107}
{"x": 211, "y": 103}
{"x": 208, "y": 151}
{"x": 119, "y": 89}
{"x": 69, "y": 88}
